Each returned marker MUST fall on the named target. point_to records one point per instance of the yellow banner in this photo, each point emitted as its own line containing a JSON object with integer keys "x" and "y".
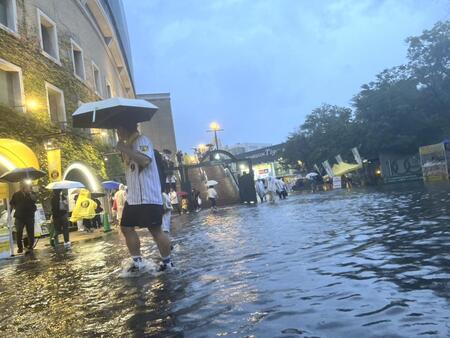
{"x": 4, "y": 191}
{"x": 54, "y": 165}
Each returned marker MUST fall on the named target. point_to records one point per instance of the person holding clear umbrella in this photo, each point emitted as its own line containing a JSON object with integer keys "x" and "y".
{"x": 60, "y": 209}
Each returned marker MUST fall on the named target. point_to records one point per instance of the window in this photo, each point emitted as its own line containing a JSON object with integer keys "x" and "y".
{"x": 8, "y": 15}
{"x": 108, "y": 90}
{"x": 77, "y": 60}
{"x": 55, "y": 104}
{"x": 96, "y": 79}
{"x": 48, "y": 36}
{"x": 11, "y": 87}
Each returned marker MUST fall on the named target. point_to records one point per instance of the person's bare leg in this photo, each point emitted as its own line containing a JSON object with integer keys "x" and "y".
{"x": 132, "y": 240}
{"x": 162, "y": 240}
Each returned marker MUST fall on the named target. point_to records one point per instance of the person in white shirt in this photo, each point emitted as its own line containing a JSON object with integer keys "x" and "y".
{"x": 144, "y": 205}
{"x": 120, "y": 198}
{"x": 212, "y": 197}
{"x": 260, "y": 190}
{"x": 271, "y": 189}
{"x": 174, "y": 200}
{"x": 167, "y": 212}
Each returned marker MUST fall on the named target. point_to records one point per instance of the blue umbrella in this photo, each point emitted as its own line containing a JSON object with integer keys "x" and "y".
{"x": 111, "y": 185}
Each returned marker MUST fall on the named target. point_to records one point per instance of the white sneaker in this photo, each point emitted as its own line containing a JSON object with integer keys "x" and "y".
{"x": 134, "y": 269}
{"x": 166, "y": 267}
{"x": 67, "y": 246}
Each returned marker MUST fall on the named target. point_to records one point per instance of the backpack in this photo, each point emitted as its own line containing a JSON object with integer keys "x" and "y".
{"x": 162, "y": 166}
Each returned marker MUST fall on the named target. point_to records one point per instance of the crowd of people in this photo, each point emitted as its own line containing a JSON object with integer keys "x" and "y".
{"x": 268, "y": 189}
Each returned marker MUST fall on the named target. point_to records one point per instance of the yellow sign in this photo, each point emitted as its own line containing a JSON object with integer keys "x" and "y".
{"x": 54, "y": 164}
{"x": 4, "y": 191}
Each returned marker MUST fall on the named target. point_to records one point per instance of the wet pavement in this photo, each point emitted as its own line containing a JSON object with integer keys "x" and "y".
{"x": 373, "y": 263}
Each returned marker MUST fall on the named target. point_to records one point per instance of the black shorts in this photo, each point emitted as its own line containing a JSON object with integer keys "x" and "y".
{"x": 142, "y": 215}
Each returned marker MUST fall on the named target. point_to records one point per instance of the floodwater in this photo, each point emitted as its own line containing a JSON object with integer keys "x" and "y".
{"x": 373, "y": 263}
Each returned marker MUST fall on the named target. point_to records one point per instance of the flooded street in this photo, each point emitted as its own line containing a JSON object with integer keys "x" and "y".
{"x": 361, "y": 264}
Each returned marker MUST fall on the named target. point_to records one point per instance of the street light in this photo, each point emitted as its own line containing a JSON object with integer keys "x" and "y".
{"x": 215, "y": 127}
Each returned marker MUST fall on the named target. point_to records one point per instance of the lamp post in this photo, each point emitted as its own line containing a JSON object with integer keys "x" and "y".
{"x": 215, "y": 127}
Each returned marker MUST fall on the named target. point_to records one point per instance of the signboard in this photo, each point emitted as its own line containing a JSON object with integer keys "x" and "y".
{"x": 5, "y": 239}
{"x": 434, "y": 162}
{"x": 337, "y": 182}
{"x": 54, "y": 164}
{"x": 4, "y": 191}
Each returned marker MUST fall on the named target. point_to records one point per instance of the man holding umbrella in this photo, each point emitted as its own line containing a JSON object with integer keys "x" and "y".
{"x": 23, "y": 201}
{"x": 144, "y": 205}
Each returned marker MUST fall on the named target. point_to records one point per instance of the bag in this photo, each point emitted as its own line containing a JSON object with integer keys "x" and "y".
{"x": 114, "y": 206}
{"x": 199, "y": 201}
{"x": 162, "y": 168}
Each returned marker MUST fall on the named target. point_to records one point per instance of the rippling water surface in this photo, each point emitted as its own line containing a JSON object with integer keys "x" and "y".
{"x": 360, "y": 264}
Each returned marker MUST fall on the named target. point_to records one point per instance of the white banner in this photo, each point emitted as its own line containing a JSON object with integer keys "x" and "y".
{"x": 327, "y": 168}
{"x": 357, "y": 156}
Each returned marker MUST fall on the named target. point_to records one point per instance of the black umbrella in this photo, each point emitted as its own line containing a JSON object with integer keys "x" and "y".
{"x": 112, "y": 113}
{"x": 20, "y": 174}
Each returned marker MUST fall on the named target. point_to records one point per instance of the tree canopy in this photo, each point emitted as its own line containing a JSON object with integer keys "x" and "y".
{"x": 405, "y": 107}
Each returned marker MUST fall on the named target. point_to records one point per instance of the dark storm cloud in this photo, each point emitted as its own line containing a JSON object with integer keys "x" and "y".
{"x": 259, "y": 66}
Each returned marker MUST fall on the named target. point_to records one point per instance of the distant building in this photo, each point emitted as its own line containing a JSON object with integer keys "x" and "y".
{"x": 240, "y": 148}
{"x": 160, "y": 129}
{"x": 267, "y": 161}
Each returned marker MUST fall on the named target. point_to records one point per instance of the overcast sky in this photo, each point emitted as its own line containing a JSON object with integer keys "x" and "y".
{"x": 259, "y": 66}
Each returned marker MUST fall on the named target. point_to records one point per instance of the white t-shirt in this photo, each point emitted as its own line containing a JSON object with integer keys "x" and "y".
{"x": 212, "y": 193}
{"x": 173, "y": 197}
{"x": 144, "y": 186}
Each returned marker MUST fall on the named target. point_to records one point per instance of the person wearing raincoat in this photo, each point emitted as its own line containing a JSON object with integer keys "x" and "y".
{"x": 120, "y": 198}
{"x": 271, "y": 189}
{"x": 260, "y": 190}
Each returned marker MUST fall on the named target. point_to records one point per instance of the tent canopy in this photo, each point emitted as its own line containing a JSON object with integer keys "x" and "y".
{"x": 345, "y": 168}
{"x": 14, "y": 154}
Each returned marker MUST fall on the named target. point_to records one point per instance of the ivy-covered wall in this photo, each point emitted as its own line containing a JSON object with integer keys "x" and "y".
{"x": 34, "y": 126}
{"x": 34, "y": 132}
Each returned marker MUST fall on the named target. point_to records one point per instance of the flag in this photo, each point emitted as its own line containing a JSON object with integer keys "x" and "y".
{"x": 339, "y": 159}
{"x": 327, "y": 167}
{"x": 54, "y": 164}
{"x": 356, "y": 155}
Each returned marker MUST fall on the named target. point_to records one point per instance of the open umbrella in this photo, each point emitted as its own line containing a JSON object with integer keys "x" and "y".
{"x": 110, "y": 185}
{"x": 112, "y": 113}
{"x": 20, "y": 174}
{"x": 311, "y": 175}
{"x": 211, "y": 183}
{"x": 65, "y": 184}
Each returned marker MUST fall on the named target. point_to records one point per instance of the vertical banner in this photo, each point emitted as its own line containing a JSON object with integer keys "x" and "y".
{"x": 54, "y": 164}
{"x": 357, "y": 156}
{"x": 328, "y": 169}
{"x": 339, "y": 159}
{"x": 318, "y": 169}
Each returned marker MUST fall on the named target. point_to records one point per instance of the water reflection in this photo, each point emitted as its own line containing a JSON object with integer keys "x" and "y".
{"x": 360, "y": 264}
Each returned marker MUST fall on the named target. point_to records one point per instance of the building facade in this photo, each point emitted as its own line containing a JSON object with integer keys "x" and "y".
{"x": 160, "y": 129}
{"x": 57, "y": 54}
{"x": 267, "y": 162}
